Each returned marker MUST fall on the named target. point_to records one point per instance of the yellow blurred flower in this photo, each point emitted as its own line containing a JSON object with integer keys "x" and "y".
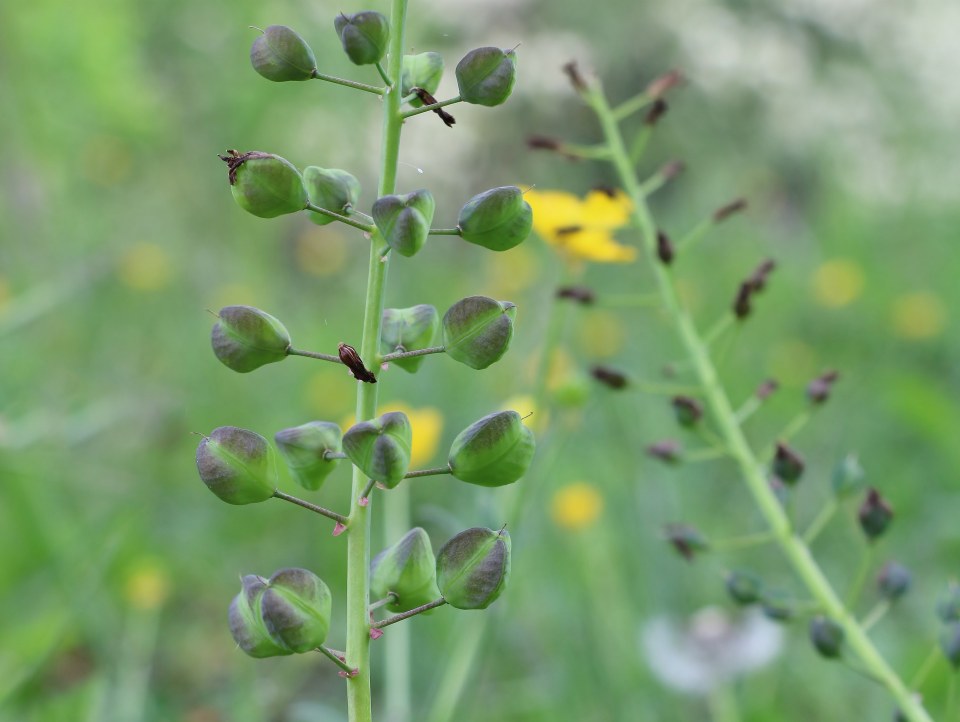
{"x": 583, "y": 228}
{"x": 576, "y": 506}
{"x": 145, "y": 267}
{"x": 427, "y": 425}
{"x": 838, "y": 282}
{"x": 604, "y": 335}
{"x": 327, "y": 393}
{"x": 321, "y": 252}
{"x": 536, "y": 420}
{"x": 919, "y": 315}
{"x": 147, "y": 586}
{"x": 511, "y": 272}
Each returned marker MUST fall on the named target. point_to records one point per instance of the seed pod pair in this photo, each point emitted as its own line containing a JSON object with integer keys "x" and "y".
{"x": 404, "y": 220}
{"x": 380, "y": 448}
{"x": 408, "y": 569}
{"x": 498, "y": 219}
{"x": 305, "y": 449}
{"x": 286, "y": 614}
{"x": 409, "y": 329}
{"x": 332, "y": 189}
{"x": 279, "y": 54}
{"x": 477, "y": 330}
{"x": 494, "y": 451}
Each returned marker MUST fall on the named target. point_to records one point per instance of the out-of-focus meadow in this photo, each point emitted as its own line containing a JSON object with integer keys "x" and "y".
{"x": 835, "y": 118}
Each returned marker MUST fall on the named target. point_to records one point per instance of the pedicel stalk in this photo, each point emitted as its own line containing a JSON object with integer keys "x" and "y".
{"x": 706, "y": 410}
{"x": 289, "y": 611}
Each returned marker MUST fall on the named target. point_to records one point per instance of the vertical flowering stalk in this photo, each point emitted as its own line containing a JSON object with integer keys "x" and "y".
{"x": 289, "y": 612}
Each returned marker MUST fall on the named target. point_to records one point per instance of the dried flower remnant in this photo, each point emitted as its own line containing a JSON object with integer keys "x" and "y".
{"x": 875, "y": 515}
{"x": 665, "y": 249}
{"x": 609, "y": 377}
{"x": 351, "y": 359}
{"x": 581, "y": 294}
{"x": 818, "y": 390}
{"x": 667, "y": 450}
{"x": 427, "y": 99}
{"x": 687, "y": 540}
{"x": 724, "y": 212}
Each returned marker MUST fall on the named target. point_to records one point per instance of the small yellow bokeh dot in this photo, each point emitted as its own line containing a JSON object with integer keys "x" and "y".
{"x": 576, "y": 506}
{"x": 320, "y": 251}
{"x": 513, "y": 271}
{"x": 148, "y": 586}
{"x": 234, "y": 294}
{"x": 536, "y": 420}
{"x": 792, "y": 362}
{"x": 918, "y": 316}
{"x": 602, "y": 334}
{"x": 427, "y": 425}
{"x": 838, "y": 283}
{"x": 145, "y": 267}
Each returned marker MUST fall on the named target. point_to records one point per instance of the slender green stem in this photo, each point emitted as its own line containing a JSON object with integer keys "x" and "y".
{"x": 385, "y": 75}
{"x": 445, "y": 231}
{"x": 428, "y": 108}
{"x": 860, "y": 578}
{"x": 335, "y": 658}
{"x": 820, "y": 521}
{"x": 718, "y": 329}
{"x": 359, "y": 706}
{"x": 291, "y": 351}
{"x": 693, "y": 236}
{"x": 350, "y": 83}
{"x": 747, "y": 409}
{"x": 640, "y": 142}
{"x": 723, "y": 704}
{"x": 708, "y": 453}
{"x": 365, "y": 227}
{"x": 427, "y": 472}
{"x": 633, "y": 105}
{"x": 411, "y": 354}
{"x": 389, "y": 599}
{"x": 365, "y": 494}
{"x": 312, "y": 507}
{"x": 747, "y": 541}
{"x": 633, "y": 300}
{"x": 794, "y": 549}
{"x": 926, "y": 667}
{"x": 878, "y": 612}
{"x": 410, "y": 613}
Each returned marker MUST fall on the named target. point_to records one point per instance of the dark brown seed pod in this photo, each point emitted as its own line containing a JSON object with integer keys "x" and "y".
{"x": 656, "y": 112}
{"x": 741, "y": 303}
{"x": 728, "y": 210}
{"x": 818, "y": 390}
{"x": 665, "y": 249}
{"x": 573, "y": 72}
{"x": 580, "y": 294}
{"x": 609, "y": 377}
{"x": 766, "y": 389}
{"x": 351, "y": 359}
{"x": 667, "y": 450}
{"x": 665, "y": 82}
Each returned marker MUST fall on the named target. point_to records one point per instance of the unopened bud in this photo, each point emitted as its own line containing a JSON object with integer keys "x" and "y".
{"x": 664, "y": 83}
{"x": 894, "y": 581}
{"x": 473, "y": 568}
{"x": 541, "y": 142}
{"x": 686, "y": 539}
{"x": 826, "y": 636}
{"x": 611, "y": 378}
{"x": 688, "y": 411}
{"x": 788, "y": 465}
{"x": 744, "y": 588}
{"x": 818, "y": 390}
{"x": 666, "y": 450}
{"x": 656, "y": 112}
{"x": 766, "y": 389}
{"x": 581, "y": 294}
{"x": 576, "y": 79}
{"x": 724, "y": 212}
{"x": 875, "y": 514}
{"x": 666, "y": 251}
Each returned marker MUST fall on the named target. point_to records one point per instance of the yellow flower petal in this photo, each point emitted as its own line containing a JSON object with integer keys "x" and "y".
{"x": 576, "y": 506}
{"x": 917, "y": 316}
{"x": 147, "y": 586}
{"x": 553, "y": 210}
{"x": 427, "y": 425}
{"x": 837, "y": 283}
{"x": 601, "y": 210}
{"x": 598, "y": 246}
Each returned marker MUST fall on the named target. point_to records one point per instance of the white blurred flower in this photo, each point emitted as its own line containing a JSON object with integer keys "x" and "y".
{"x": 710, "y": 648}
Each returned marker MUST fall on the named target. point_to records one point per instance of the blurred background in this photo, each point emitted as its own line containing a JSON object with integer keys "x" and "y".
{"x": 837, "y": 120}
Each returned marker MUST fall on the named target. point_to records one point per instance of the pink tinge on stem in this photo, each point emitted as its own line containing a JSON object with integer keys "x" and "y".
{"x": 339, "y": 528}
{"x": 376, "y": 633}
{"x": 363, "y": 501}
{"x": 352, "y": 673}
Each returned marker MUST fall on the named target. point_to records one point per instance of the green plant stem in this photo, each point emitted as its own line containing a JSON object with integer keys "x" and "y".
{"x": 427, "y": 472}
{"x": 312, "y": 507}
{"x": 860, "y": 578}
{"x": 747, "y": 541}
{"x": 718, "y": 329}
{"x": 693, "y": 236}
{"x": 350, "y": 83}
{"x": 640, "y": 142}
{"x": 411, "y": 613}
{"x": 632, "y": 105}
{"x": 411, "y": 354}
{"x": 333, "y": 657}
{"x": 385, "y": 75}
{"x": 748, "y": 409}
{"x": 928, "y": 664}
{"x": 365, "y": 227}
{"x": 389, "y": 599}
{"x": 878, "y": 612}
{"x": 723, "y": 704}
{"x": 794, "y": 549}
{"x": 428, "y": 108}
{"x": 359, "y": 708}
{"x": 313, "y": 354}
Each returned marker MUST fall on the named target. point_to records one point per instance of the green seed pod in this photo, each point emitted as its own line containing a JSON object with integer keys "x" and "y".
{"x": 295, "y": 608}
{"x": 364, "y": 36}
{"x": 788, "y": 465}
{"x": 409, "y": 329}
{"x": 848, "y": 476}
{"x": 950, "y": 644}
{"x": 279, "y": 54}
{"x": 498, "y": 219}
{"x": 407, "y": 569}
{"x": 744, "y": 588}
{"x": 948, "y": 604}
{"x": 687, "y": 410}
{"x": 247, "y": 626}
{"x": 245, "y": 338}
{"x": 777, "y": 605}
{"x": 687, "y": 540}
{"x": 477, "y": 330}
{"x": 875, "y": 515}
{"x": 332, "y": 189}
{"x": 237, "y": 465}
{"x": 305, "y": 448}
{"x": 473, "y": 568}
{"x": 486, "y": 76}
{"x": 421, "y": 71}
{"x": 380, "y": 448}
{"x": 827, "y": 636}
{"x": 404, "y": 220}
{"x": 894, "y": 581}
{"x": 494, "y": 451}
{"x": 264, "y": 184}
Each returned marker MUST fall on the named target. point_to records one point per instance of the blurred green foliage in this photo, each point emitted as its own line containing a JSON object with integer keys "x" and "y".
{"x": 118, "y": 232}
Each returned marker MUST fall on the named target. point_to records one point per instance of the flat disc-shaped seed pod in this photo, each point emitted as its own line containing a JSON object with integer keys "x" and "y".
{"x": 473, "y": 568}
{"x": 380, "y": 448}
{"x": 245, "y": 338}
{"x": 493, "y": 451}
{"x": 404, "y": 220}
{"x": 407, "y": 569}
{"x": 409, "y": 329}
{"x": 330, "y": 188}
{"x": 421, "y": 71}
{"x": 281, "y": 55}
{"x": 295, "y": 609}
{"x": 237, "y": 465}
{"x": 486, "y": 76}
{"x": 304, "y": 448}
{"x": 498, "y": 219}
{"x": 477, "y": 330}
